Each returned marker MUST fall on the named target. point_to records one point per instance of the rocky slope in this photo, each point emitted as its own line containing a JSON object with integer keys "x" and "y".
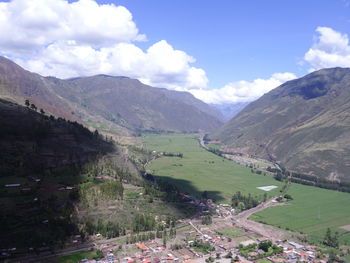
{"x": 303, "y": 124}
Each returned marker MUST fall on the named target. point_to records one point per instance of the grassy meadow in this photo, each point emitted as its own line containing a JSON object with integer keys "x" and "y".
{"x": 311, "y": 212}
{"x": 200, "y": 170}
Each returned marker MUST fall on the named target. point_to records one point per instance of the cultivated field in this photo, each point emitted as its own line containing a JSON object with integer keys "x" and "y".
{"x": 311, "y": 212}
{"x": 200, "y": 170}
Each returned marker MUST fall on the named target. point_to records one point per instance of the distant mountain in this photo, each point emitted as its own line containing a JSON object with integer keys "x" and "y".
{"x": 189, "y": 99}
{"x": 303, "y": 124}
{"x": 229, "y": 110}
{"x": 112, "y": 104}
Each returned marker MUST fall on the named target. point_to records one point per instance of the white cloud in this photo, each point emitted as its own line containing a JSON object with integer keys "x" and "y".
{"x": 242, "y": 91}
{"x": 58, "y": 38}
{"x": 330, "y": 50}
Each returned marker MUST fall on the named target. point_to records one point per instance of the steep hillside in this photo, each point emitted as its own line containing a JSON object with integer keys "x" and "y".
{"x": 41, "y": 161}
{"x": 139, "y": 107}
{"x": 18, "y": 84}
{"x": 304, "y": 124}
{"x": 111, "y": 104}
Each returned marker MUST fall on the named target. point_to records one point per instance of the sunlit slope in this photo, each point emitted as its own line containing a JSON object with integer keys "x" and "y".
{"x": 304, "y": 124}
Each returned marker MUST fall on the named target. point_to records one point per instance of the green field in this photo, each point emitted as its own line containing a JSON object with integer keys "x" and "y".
{"x": 311, "y": 212}
{"x": 200, "y": 170}
{"x": 76, "y": 257}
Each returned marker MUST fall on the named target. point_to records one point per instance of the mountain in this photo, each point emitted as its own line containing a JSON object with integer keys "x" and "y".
{"x": 17, "y": 84}
{"x": 136, "y": 106}
{"x": 40, "y": 156}
{"x": 229, "y": 110}
{"x": 111, "y": 104}
{"x": 303, "y": 124}
{"x": 31, "y": 142}
{"x": 189, "y": 99}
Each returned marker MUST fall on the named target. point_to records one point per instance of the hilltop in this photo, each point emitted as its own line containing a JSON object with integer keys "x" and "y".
{"x": 116, "y": 105}
{"x": 303, "y": 124}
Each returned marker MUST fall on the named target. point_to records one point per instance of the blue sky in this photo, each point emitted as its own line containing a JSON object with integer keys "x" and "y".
{"x": 240, "y": 40}
{"x": 222, "y": 51}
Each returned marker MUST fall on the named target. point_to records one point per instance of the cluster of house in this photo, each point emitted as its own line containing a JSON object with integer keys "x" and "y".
{"x": 150, "y": 253}
{"x": 294, "y": 252}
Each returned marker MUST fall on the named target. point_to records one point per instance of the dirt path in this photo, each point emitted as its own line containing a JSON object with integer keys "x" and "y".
{"x": 270, "y": 232}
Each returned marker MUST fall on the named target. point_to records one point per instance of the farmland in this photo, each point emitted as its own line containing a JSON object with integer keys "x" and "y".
{"x": 200, "y": 170}
{"x": 311, "y": 212}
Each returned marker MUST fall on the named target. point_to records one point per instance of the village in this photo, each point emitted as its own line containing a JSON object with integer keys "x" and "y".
{"x": 216, "y": 234}
{"x": 224, "y": 240}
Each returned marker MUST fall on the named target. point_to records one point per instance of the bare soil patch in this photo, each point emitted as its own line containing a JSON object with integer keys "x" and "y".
{"x": 346, "y": 227}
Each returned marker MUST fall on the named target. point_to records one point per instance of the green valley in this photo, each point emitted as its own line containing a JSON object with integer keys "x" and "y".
{"x": 312, "y": 211}
{"x": 200, "y": 170}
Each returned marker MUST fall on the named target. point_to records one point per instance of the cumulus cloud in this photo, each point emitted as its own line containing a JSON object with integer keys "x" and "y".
{"x": 330, "y": 50}
{"x": 242, "y": 91}
{"x": 58, "y": 38}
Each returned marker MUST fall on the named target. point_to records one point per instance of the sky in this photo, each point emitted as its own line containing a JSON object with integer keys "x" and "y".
{"x": 221, "y": 51}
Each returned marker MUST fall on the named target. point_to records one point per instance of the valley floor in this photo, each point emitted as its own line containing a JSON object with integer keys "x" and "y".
{"x": 312, "y": 211}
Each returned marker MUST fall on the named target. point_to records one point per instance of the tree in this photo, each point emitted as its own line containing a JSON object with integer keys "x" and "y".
{"x": 27, "y": 103}
{"x": 205, "y": 195}
{"x": 265, "y": 245}
{"x": 331, "y": 240}
{"x": 99, "y": 254}
{"x": 42, "y": 111}
{"x": 33, "y": 107}
{"x": 288, "y": 197}
{"x": 229, "y": 255}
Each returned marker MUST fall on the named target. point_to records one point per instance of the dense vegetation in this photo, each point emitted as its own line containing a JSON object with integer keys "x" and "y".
{"x": 43, "y": 158}
{"x": 299, "y": 178}
{"x": 242, "y": 202}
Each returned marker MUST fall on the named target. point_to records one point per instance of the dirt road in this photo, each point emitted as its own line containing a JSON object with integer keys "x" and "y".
{"x": 270, "y": 232}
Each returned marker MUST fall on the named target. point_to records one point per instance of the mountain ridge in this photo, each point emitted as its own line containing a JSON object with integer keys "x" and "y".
{"x": 84, "y": 99}
{"x": 304, "y": 124}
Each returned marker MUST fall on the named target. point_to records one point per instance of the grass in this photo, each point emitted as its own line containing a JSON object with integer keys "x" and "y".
{"x": 312, "y": 211}
{"x": 231, "y": 232}
{"x": 200, "y": 170}
{"x": 76, "y": 257}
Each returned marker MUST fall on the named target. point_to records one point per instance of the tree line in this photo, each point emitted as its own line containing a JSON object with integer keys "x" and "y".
{"x": 306, "y": 179}
{"x": 242, "y": 202}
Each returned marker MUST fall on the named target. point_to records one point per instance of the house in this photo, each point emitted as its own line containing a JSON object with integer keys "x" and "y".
{"x": 296, "y": 245}
{"x": 141, "y": 246}
{"x": 12, "y": 185}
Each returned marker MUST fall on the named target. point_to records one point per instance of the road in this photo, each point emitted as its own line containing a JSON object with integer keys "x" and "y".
{"x": 242, "y": 220}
